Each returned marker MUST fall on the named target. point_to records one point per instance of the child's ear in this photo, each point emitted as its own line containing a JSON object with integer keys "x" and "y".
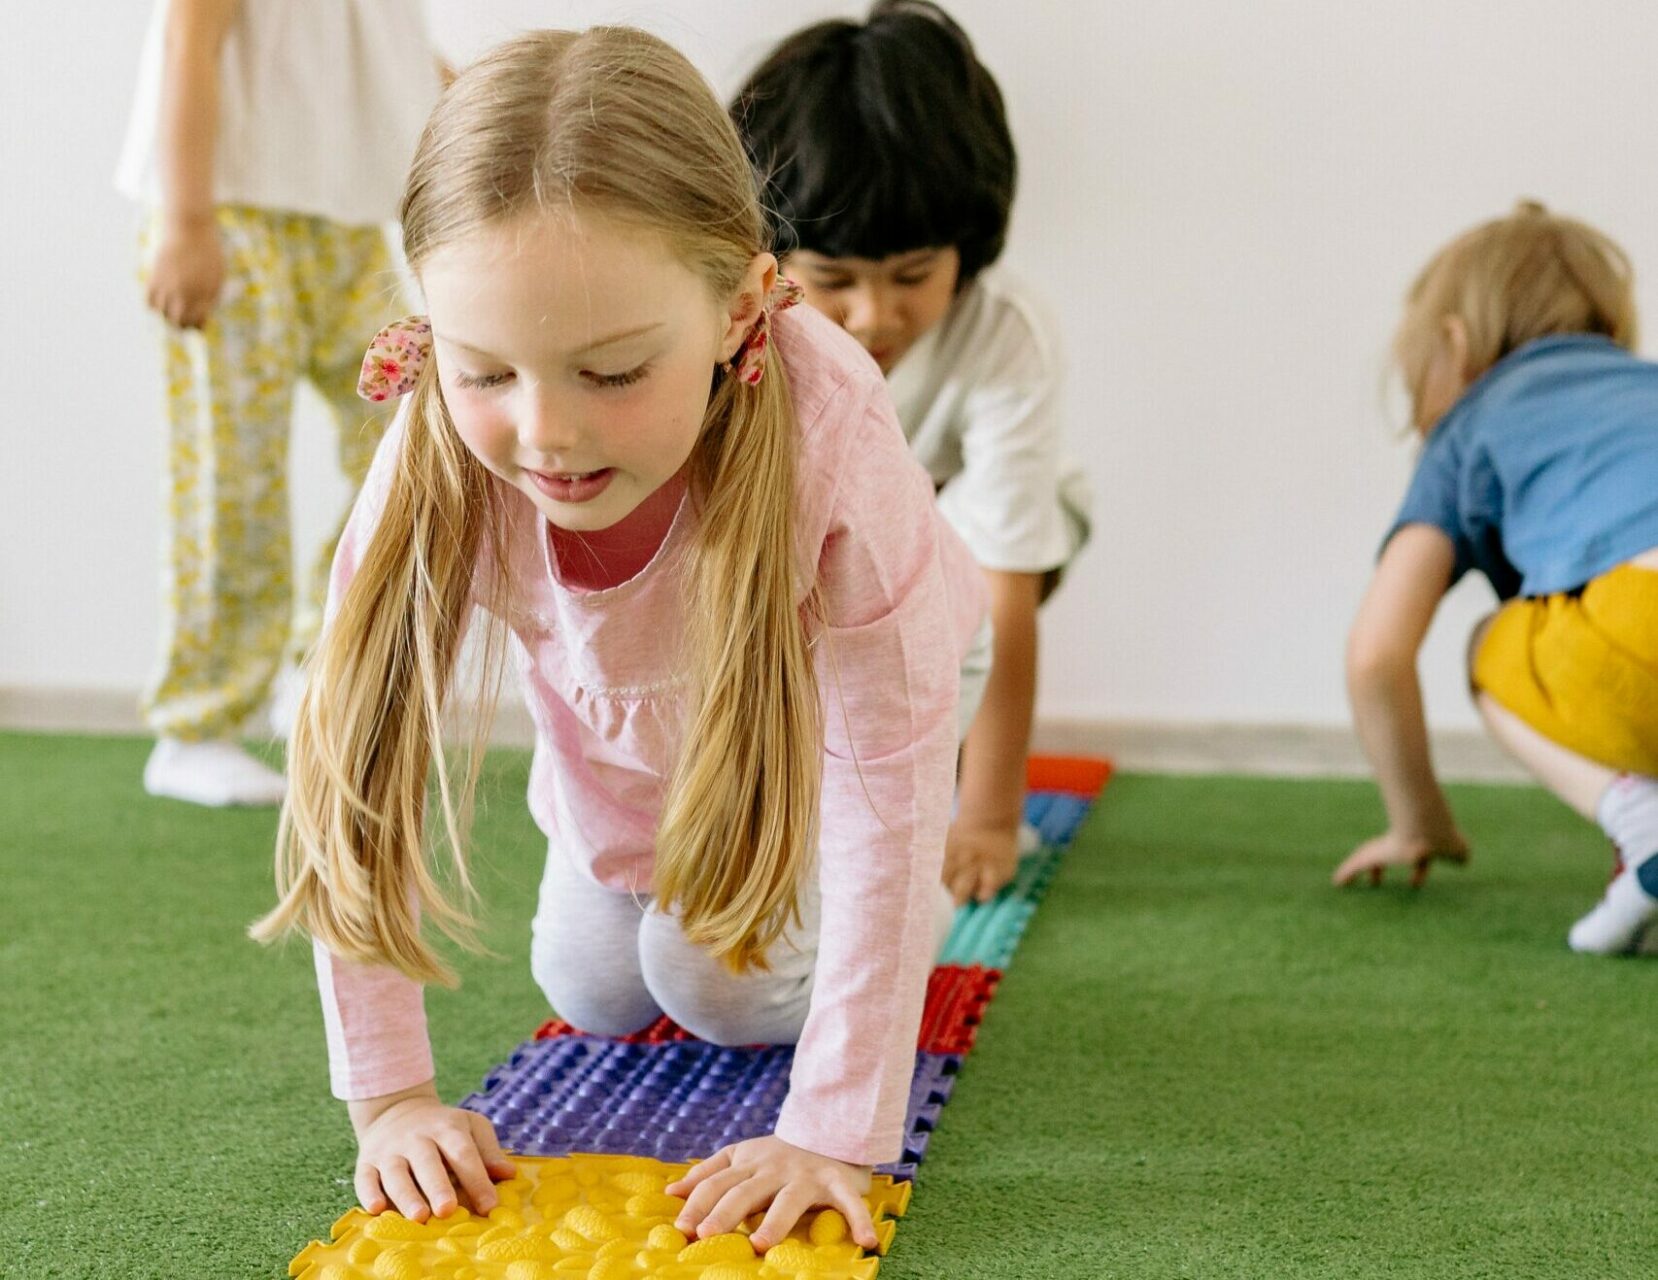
{"x": 747, "y": 303}
{"x": 1454, "y": 334}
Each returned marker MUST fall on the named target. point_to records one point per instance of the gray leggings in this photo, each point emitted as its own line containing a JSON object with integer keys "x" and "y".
{"x": 612, "y": 964}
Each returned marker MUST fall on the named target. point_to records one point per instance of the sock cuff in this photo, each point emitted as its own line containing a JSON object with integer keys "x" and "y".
{"x": 1610, "y": 799}
{"x": 1628, "y": 813}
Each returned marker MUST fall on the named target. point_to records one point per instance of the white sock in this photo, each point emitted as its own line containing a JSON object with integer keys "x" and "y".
{"x": 214, "y": 773}
{"x": 1629, "y": 815}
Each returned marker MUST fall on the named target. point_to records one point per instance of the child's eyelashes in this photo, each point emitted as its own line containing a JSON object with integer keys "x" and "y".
{"x": 486, "y": 381}
{"x": 624, "y": 379}
{"x": 480, "y": 381}
{"x": 839, "y": 284}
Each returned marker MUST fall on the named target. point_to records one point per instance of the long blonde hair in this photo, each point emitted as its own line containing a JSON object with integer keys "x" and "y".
{"x": 1514, "y": 279}
{"x": 612, "y": 121}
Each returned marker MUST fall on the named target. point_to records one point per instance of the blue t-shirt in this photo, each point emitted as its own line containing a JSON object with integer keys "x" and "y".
{"x": 1545, "y": 473}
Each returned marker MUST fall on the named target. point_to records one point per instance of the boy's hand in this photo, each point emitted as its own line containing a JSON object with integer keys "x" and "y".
{"x": 746, "y": 1177}
{"x": 978, "y": 861}
{"x": 421, "y": 1157}
{"x": 188, "y": 273}
{"x": 1393, "y": 849}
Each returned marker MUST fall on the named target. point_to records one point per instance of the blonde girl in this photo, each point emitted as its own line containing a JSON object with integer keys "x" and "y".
{"x": 1540, "y": 469}
{"x": 741, "y": 628}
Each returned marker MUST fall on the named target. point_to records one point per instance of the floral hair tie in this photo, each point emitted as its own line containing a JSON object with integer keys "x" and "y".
{"x": 748, "y": 364}
{"x": 395, "y": 359}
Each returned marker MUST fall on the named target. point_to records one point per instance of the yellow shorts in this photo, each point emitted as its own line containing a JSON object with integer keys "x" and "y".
{"x": 1582, "y": 669}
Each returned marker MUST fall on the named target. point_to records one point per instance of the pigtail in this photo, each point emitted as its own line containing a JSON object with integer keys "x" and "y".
{"x": 352, "y": 867}
{"x": 739, "y": 829}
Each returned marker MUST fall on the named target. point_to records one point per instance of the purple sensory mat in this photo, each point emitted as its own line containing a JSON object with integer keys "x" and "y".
{"x": 671, "y": 1101}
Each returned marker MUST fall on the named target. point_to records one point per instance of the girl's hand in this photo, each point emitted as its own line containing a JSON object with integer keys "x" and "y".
{"x": 1393, "y": 849}
{"x": 188, "y": 273}
{"x": 418, "y": 1156}
{"x": 978, "y": 861}
{"x": 748, "y": 1176}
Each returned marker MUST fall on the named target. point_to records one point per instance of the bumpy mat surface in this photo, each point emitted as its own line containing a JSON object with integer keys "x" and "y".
{"x": 674, "y": 1101}
{"x": 597, "y": 1218}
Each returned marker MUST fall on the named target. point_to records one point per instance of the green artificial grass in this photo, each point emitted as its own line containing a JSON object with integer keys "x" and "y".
{"x": 1203, "y": 1062}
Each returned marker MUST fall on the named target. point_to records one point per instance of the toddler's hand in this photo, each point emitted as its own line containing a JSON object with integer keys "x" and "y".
{"x": 978, "y": 861}
{"x": 417, "y": 1154}
{"x": 746, "y": 1177}
{"x": 188, "y": 273}
{"x": 1393, "y": 849}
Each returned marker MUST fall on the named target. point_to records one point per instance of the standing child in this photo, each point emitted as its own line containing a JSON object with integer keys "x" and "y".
{"x": 1541, "y": 471}
{"x": 886, "y": 151}
{"x": 267, "y": 145}
{"x": 739, "y": 622}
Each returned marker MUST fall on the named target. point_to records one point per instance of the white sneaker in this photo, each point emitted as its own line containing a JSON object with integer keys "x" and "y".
{"x": 1619, "y": 920}
{"x": 214, "y": 773}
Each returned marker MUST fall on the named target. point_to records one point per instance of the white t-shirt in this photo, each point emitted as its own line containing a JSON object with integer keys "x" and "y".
{"x": 321, "y": 103}
{"x": 979, "y": 400}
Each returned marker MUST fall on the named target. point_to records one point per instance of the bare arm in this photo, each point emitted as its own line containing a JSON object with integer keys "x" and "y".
{"x": 983, "y": 851}
{"x": 189, "y": 267}
{"x": 1382, "y": 686}
{"x": 190, "y": 105}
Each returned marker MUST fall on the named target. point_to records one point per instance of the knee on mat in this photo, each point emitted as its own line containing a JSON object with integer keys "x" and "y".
{"x": 598, "y": 1008}
{"x": 693, "y": 988}
{"x": 711, "y": 1021}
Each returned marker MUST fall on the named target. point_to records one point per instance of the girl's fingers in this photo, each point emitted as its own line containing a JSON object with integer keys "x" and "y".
{"x": 856, "y": 1212}
{"x": 749, "y": 1196}
{"x": 989, "y": 884}
{"x": 470, "y": 1169}
{"x": 786, "y": 1210}
{"x": 432, "y": 1174}
{"x": 369, "y": 1194}
{"x": 497, "y": 1161}
{"x": 703, "y": 1169}
{"x": 706, "y": 1196}
{"x": 400, "y": 1186}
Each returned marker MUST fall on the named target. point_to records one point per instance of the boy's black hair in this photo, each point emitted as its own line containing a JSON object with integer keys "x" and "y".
{"x": 875, "y": 138}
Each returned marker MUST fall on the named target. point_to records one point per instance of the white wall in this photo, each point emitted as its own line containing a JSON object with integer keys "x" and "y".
{"x": 1224, "y": 200}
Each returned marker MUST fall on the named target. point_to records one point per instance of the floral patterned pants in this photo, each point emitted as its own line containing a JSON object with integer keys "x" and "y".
{"x": 302, "y": 298}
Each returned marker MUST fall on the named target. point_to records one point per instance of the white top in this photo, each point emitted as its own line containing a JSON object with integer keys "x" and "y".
{"x": 978, "y": 397}
{"x": 321, "y": 103}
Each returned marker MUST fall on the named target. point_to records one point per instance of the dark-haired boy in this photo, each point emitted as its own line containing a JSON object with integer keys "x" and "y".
{"x": 885, "y": 151}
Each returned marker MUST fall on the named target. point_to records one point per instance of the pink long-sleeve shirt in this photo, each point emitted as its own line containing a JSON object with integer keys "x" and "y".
{"x": 902, "y": 598}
